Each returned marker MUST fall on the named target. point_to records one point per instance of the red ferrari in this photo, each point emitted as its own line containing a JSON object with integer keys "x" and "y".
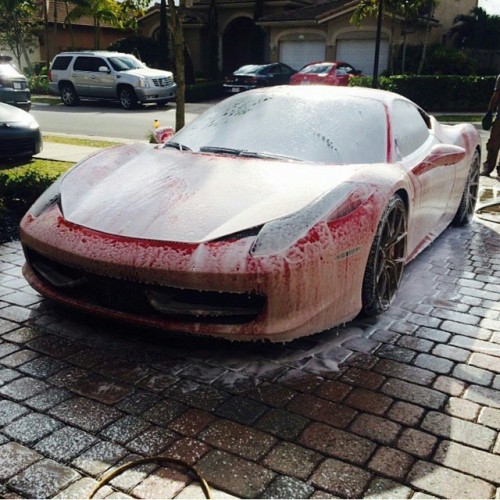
{"x": 278, "y": 213}
{"x": 325, "y": 73}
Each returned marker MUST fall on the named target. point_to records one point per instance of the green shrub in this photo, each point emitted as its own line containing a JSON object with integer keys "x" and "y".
{"x": 39, "y": 84}
{"x": 449, "y": 93}
{"x": 203, "y": 91}
{"x": 24, "y": 184}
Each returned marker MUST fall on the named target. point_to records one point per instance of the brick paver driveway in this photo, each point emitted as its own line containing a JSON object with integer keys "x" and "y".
{"x": 407, "y": 405}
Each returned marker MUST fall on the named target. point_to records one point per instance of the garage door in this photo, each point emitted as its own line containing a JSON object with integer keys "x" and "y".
{"x": 361, "y": 54}
{"x": 299, "y": 53}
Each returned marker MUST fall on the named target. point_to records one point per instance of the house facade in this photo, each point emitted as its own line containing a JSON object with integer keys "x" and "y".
{"x": 297, "y": 32}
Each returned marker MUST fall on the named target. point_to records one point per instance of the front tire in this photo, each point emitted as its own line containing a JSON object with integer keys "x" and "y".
{"x": 467, "y": 205}
{"x": 128, "y": 99}
{"x": 68, "y": 95}
{"x": 386, "y": 260}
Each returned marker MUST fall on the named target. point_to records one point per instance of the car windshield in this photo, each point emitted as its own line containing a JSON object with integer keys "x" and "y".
{"x": 314, "y": 126}
{"x": 124, "y": 63}
{"x": 317, "y": 69}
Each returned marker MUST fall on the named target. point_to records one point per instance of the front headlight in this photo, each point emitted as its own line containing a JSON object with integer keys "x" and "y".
{"x": 279, "y": 235}
{"x": 143, "y": 82}
{"x": 50, "y": 196}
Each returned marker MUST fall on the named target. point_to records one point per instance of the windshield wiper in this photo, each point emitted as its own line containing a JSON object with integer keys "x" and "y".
{"x": 176, "y": 145}
{"x": 245, "y": 153}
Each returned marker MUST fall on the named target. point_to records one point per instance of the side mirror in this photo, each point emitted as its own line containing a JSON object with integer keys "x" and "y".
{"x": 104, "y": 69}
{"x": 163, "y": 134}
{"x": 445, "y": 154}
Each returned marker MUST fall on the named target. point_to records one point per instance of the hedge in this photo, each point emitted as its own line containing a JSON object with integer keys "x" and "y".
{"x": 204, "y": 91}
{"x": 439, "y": 92}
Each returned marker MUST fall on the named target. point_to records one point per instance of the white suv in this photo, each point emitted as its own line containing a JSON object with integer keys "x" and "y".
{"x": 109, "y": 75}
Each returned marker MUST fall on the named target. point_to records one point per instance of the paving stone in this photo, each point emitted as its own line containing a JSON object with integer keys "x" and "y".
{"x": 300, "y": 381}
{"x": 490, "y": 417}
{"x": 434, "y": 363}
{"x": 432, "y": 334}
{"x": 282, "y": 424}
{"x": 19, "y": 357}
{"x": 200, "y": 396}
{"x": 292, "y": 460}
{"x": 152, "y": 442}
{"x": 54, "y": 346}
{"x": 322, "y": 410}
{"x": 236, "y": 383}
{"x": 489, "y": 323}
{"x": 31, "y": 428}
{"x": 396, "y": 353}
{"x": 415, "y": 344}
{"x": 341, "y": 478}
{"x": 192, "y": 422}
{"x": 473, "y": 331}
{"x": 48, "y": 399}
{"x": 56, "y": 477}
{"x": 125, "y": 429}
{"x": 405, "y": 413}
{"x": 14, "y": 458}
{"x": 450, "y": 352}
{"x": 483, "y": 396}
{"x": 472, "y": 344}
{"x": 99, "y": 458}
{"x": 288, "y": 487}
{"x": 363, "y": 378}
{"x": 137, "y": 403}
{"x": 82, "y": 488}
{"x": 405, "y": 372}
{"x": 163, "y": 483}
{"x": 416, "y": 443}
{"x": 414, "y": 393}
{"x": 164, "y": 412}
{"x": 368, "y": 401}
{"x": 188, "y": 450}
{"x": 455, "y": 316}
{"x": 7, "y": 375}
{"x": 23, "y": 388}
{"x": 65, "y": 444}
{"x": 448, "y": 483}
{"x": 333, "y": 390}
{"x": 10, "y": 411}
{"x": 469, "y": 460}
{"x": 386, "y": 488}
{"x": 42, "y": 367}
{"x": 194, "y": 492}
{"x": 274, "y": 395}
{"x": 462, "y": 408}
{"x": 375, "y": 428}
{"x": 86, "y": 414}
{"x": 491, "y": 363}
{"x": 459, "y": 430}
{"x": 237, "y": 476}
{"x": 449, "y": 385}
{"x": 472, "y": 374}
{"x": 337, "y": 443}
{"x": 241, "y": 409}
{"x": 391, "y": 462}
{"x": 238, "y": 439}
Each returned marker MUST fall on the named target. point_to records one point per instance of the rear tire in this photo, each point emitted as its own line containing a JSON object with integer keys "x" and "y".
{"x": 386, "y": 260}
{"x": 467, "y": 205}
{"x": 68, "y": 95}
{"x": 128, "y": 99}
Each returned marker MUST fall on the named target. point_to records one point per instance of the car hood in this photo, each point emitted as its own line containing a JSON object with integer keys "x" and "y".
{"x": 149, "y": 72}
{"x": 140, "y": 191}
{"x": 11, "y": 114}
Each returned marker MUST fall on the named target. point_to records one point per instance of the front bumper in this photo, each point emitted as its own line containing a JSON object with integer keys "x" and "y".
{"x": 16, "y": 142}
{"x": 149, "y": 282}
{"x": 156, "y": 94}
{"x": 19, "y": 98}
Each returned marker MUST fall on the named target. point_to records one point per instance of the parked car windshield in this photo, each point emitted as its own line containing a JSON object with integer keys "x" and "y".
{"x": 293, "y": 122}
{"x": 317, "y": 68}
{"x": 7, "y": 69}
{"x": 124, "y": 63}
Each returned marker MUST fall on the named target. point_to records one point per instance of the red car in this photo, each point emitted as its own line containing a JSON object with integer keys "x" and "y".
{"x": 325, "y": 73}
{"x": 278, "y": 213}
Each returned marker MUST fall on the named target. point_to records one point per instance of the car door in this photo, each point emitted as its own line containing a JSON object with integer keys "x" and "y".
{"x": 278, "y": 75}
{"x": 100, "y": 83}
{"x": 433, "y": 183}
{"x": 80, "y": 74}
{"x": 342, "y": 75}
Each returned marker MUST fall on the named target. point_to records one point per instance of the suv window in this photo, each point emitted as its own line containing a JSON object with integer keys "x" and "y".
{"x": 87, "y": 63}
{"x": 125, "y": 63}
{"x": 61, "y": 62}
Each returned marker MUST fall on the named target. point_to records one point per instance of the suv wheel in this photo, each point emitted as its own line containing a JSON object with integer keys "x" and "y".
{"x": 68, "y": 94}
{"x": 127, "y": 97}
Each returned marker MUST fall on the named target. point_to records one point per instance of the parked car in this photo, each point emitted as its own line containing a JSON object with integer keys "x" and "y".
{"x": 325, "y": 73}
{"x": 20, "y": 135}
{"x": 278, "y": 213}
{"x": 109, "y": 75}
{"x": 252, "y": 76}
{"x": 14, "y": 87}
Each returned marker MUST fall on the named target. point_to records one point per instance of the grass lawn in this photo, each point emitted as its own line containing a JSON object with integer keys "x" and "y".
{"x": 79, "y": 141}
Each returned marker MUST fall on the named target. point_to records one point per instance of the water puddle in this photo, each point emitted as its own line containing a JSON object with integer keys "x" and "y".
{"x": 489, "y": 204}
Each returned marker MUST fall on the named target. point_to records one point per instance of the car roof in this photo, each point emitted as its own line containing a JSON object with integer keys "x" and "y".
{"x": 92, "y": 53}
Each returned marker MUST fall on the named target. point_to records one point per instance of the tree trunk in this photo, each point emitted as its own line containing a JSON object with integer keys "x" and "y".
{"x": 426, "y": 40}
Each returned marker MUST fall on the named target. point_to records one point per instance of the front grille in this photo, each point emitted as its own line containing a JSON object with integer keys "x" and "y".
{"x": 17, "y": 147}
{"x": 163, "y": 82}
{"x": 145, "y": 300}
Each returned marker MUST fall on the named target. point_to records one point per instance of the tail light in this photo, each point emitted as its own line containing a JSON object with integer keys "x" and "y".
{"x": 50, "y": 75}
{"x": 250, "y": 79}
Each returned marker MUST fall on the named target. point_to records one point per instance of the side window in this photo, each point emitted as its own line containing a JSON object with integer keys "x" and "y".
{"x": 96, "y": 63}
{"x": 82, "y": 63}
{"x": 275, "y": 69}
{"x": 341, "y": 70}
{"x": 61, "y": 62}
{"x": 410, "y": 128}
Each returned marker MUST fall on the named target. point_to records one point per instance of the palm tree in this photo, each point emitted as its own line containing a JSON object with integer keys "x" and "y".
{"x": 100, "y": 11}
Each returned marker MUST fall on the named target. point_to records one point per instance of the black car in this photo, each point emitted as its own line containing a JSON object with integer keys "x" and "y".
{"x": 258, "y": 75}
{"x": 14, "y": 88}
{"x": 20, "y": 135}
